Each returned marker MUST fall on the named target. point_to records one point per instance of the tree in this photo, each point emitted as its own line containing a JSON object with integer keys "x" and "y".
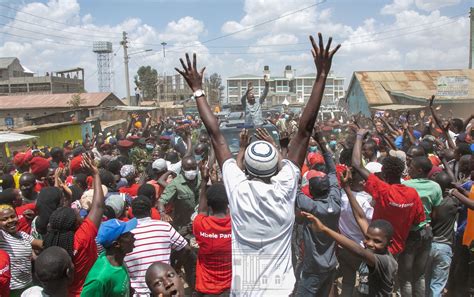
{"x": 215, "y": 88}
{"x": 76, "y": 101}
{"x": 146, "y": 80}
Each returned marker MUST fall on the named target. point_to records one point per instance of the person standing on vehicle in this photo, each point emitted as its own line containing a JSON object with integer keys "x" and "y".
{"x": 252, "y": 107}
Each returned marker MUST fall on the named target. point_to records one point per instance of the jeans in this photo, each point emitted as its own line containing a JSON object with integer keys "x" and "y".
{"x": 348, "y": 266}
{"x": 459, "y": 272}
{"x": 437, "y": 268}
{"x": 412, "y": 263}
{"x": 317, "y": 285}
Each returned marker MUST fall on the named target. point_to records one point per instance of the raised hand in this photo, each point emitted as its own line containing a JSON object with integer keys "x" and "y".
{"x": 244, "y": 138}
{"x": 432, "y": 100}
{"x": 346, "y": 177}
{"x": 190, "y": 73}
{"x": 322, "y": 55}
{"x": 88, "y": 163}
{"x": 204, "y": 172}
{"x": 262, "y": 134}
{"x": 362, "y": 132}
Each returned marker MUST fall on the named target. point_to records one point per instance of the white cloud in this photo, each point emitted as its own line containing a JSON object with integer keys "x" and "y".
{"x": 397, "y": 6}
{"x": 430, "y": 5}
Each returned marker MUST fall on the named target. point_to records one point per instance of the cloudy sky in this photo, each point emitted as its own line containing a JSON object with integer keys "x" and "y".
{"x": 233, "y": 37}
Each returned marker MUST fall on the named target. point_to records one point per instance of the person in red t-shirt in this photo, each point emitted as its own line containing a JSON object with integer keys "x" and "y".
{"x": 213, "y": 235}
{"x": 398, "y": 204}
{"x": 129, "y": 173}
{"x": 25, "y": 213}
{"x": 76, "y": 237}
{"x": 5, "y": 274}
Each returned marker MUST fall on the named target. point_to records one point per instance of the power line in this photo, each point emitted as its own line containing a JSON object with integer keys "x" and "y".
{"x": 45, "y": 40}
{"x": 51, "y": 28}
{"x": 46, "y": 34}
{"x": 50, "y": 20}
{"x": 346, "y": 44}
{"x": 253, "y": 26}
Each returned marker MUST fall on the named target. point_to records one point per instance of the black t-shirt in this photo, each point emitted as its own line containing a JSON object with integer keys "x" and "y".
{"x": 446, "y": 216}
{"x": 382, "y": 276}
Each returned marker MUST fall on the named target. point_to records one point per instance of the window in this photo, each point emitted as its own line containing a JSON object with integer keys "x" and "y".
{"x": 264, "y": 280}
{"x": 277, "y": 280}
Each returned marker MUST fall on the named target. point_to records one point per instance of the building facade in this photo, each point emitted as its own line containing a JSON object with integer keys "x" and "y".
{"x": 173, "y": 88}
{"x": 296, "y": 90}
{"x": 370, "y": 91}
{"x": 17, "y": 80}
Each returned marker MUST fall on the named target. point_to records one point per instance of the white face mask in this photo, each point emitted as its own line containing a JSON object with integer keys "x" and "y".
{"x": 190, "y": 174}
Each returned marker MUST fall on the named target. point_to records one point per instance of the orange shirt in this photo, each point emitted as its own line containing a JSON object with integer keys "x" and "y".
{"x": 469, "y": 231}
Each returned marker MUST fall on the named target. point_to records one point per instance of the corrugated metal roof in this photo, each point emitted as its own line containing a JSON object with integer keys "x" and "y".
{"x": 6, "y": 61}
{"x": 398, "y": 107}
{"x": 421, "y": 84}
{"x": 136, "y": 108}
{"x": 9, "y": 137}
{"x": 52, "y": 100}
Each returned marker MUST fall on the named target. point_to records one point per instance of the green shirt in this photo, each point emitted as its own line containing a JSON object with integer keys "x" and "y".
{"x": 184, "y": 196}
{"x": 430, "y": 194}
{"x": 106, "y": 280}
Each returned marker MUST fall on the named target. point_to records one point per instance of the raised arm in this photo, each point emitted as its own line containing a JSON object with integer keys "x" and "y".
{"x": 467, "y": 121}
{"x": 357, "y": 211}
{"x": 203, "y": 208}
{"x": 357, "y": 154}
{"x": 463, "y": 199}
{"x": 343, "y": 241}
{"x": 322, "y": 58}
{"x": 194, "y": 80}
{"x": 243, "y": 144}
{"x": 98, "y": 201}
{"x": 265, "y": 90}
{"x": 438, "y": 122}
{"x": 243, "y": 100}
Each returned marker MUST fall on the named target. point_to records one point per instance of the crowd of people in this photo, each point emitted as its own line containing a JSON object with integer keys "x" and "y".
{"x": 374, "y": 206}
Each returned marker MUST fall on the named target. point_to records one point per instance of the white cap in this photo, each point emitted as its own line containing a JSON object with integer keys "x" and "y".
{"x": 374, "y": 167}
{"x": 159, "y": 164}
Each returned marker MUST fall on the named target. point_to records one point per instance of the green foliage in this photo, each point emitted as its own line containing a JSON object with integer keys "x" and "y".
{"x": 146, "y": 80}
{"x": 75, "y": 101}
{"x": 215, "y": 87}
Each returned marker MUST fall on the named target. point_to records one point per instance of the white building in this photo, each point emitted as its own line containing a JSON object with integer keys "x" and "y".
{"x": 295, "y": 89}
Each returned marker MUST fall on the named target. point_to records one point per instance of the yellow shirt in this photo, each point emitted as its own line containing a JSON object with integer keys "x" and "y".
{"x": 16, "y": 178}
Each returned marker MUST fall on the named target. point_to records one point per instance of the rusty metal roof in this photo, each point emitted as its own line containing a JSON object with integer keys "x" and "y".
{"x": 378, "y": 86}
{"x": 53, "y": 100}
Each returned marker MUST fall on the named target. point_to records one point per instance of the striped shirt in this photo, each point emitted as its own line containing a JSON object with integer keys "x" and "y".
{"x": 154, "y": 240}
{"x": 18, "y": 247}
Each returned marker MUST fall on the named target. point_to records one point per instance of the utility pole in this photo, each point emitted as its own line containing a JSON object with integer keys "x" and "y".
{"x": 124, "y": 43}
{"x": 471, "y": 39}
{"x": 165, "y": 89}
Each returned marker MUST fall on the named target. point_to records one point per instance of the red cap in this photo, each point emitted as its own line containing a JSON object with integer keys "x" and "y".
{"x": 75, "y": 164}
{"x": 315, "y": 158}
{"x": 38, "y": 165}
{"x": 19, "y": 159}
{"x": 125, "y": 143}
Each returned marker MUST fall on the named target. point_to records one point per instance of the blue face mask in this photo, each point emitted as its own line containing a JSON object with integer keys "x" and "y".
{"x": 312, "y": 149}
{"x": 333, "y": 143}
{"x": 198, "y": 158}
{"x": 149, "y": 146}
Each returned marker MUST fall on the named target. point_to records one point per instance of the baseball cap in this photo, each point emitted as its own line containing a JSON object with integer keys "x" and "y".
{"x": 110, "y": 231}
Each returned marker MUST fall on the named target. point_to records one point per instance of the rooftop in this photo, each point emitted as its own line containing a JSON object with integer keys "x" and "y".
{"x": 9, "y": 137}
{"x": 6, "y": 61}
{"x": 380, "y": 87}
{"x": 53, "y": 100}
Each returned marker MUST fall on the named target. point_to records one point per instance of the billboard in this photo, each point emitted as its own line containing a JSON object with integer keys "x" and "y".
{"x": 452, "y": 86}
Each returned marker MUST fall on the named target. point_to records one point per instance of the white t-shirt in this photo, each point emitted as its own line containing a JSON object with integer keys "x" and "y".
{"x": 347, "y": 223}
{"x": 262, "y": 218}
{"x": 34, "y": 292}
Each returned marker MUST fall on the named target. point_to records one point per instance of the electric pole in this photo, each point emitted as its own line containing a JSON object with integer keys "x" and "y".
{"x": 165, "y": 89}
{"x": 124, "y": 43}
